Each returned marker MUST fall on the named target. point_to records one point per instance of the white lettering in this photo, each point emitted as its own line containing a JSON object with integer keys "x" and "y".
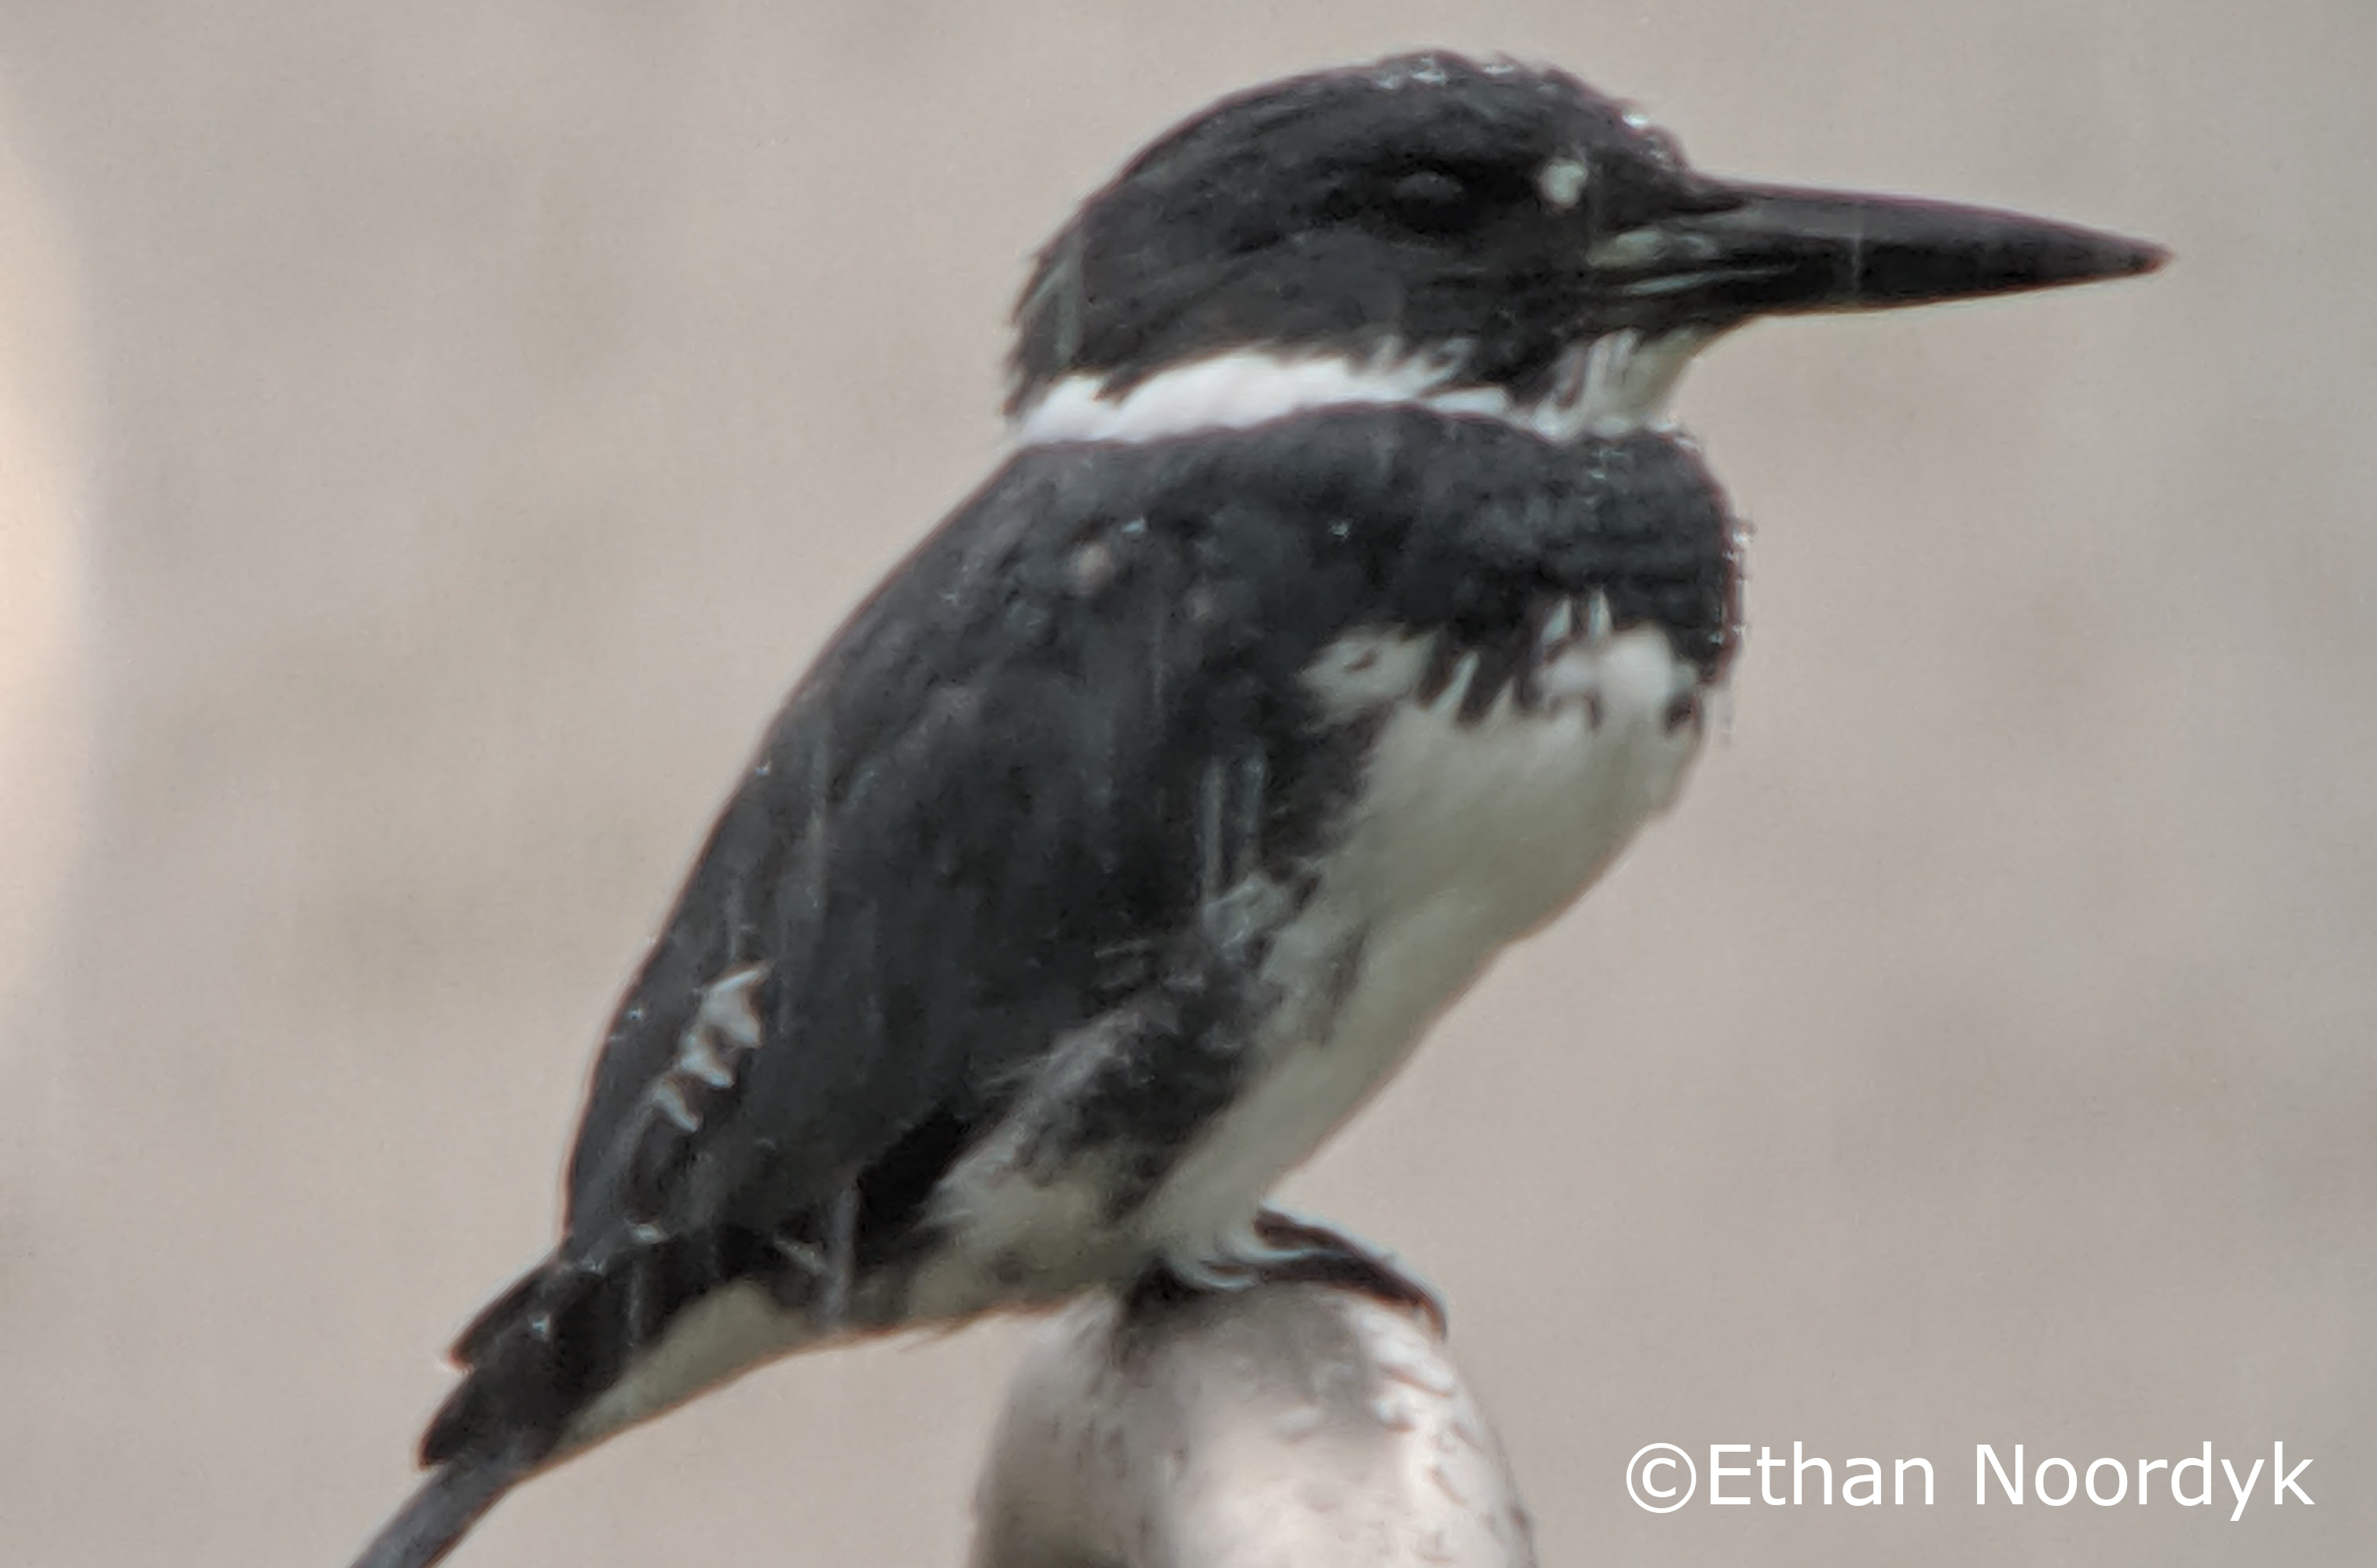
{"x": 1718, "y": 1470}
{"x": 2204, "y": 1468}
{"x": 2282, "y": 1480}
{"x": 1871, "y": 1480}
{"x": 2071, "y": 1483}
{"x": 2243, "y": 1491}
{"x": 1903, "y": 1463}
{"x": 1984, "y": 1453}
{"x": 1799, "y": 1463}
{"x": 2120, "y": 1478}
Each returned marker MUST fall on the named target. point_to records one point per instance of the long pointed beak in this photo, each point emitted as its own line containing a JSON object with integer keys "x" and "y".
{"x": 1774, "y": 249}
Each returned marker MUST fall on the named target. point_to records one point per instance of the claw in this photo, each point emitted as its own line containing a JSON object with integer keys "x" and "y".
{"x": 1324, "y": 1254}
{"x": 1285, "y": 1247}
{"x": 1217, "y": 1275}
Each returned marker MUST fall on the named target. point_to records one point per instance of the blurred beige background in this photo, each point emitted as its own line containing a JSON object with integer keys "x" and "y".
{"x": 487, "y": 411}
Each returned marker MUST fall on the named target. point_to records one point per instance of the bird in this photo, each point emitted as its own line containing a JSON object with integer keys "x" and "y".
{"x": 1344, "y": 602}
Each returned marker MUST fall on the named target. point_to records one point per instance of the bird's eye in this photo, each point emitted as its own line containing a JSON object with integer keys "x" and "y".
{"x": 1433, "y": 201}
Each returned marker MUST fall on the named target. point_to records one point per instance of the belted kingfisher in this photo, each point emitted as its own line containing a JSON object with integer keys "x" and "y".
{"x": 1345, "y": 605}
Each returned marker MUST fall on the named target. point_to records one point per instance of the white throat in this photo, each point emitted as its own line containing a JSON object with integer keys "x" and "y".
{"x": 1614, "y": 385}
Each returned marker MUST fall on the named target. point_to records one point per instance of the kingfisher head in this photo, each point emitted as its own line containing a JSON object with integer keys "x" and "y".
{"x": 1481, "y": 236}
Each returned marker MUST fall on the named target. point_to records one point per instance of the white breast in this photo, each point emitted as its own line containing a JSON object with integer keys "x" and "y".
{"x": 1466, "y": 837}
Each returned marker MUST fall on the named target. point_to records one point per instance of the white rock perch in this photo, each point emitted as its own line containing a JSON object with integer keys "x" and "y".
{"x": 1289, "y": 1426}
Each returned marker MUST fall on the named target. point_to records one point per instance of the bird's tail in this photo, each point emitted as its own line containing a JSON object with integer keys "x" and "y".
{"x": 538, "y": 1362}
{"x": 447, "y": 1505}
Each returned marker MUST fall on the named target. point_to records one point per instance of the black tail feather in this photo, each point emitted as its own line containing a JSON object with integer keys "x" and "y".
{"x": 537, "y": 1354}
{"x": 471, "y": 1345}
{"x": 447, "y": 1505}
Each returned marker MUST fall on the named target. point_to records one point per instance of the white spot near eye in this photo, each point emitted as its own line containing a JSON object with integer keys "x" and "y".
{"x": 1563, "y": 180}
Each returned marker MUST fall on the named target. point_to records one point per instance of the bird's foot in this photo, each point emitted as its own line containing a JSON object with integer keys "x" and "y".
{"x": 1283, "y": 1247}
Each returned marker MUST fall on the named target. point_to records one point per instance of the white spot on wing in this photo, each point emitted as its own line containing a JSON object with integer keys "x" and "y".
{"x": 727, "y": 1008}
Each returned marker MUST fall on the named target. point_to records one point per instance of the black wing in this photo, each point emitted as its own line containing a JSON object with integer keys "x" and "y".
{"x": 987, "y": 799}
{"x": 978, "y": 820}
